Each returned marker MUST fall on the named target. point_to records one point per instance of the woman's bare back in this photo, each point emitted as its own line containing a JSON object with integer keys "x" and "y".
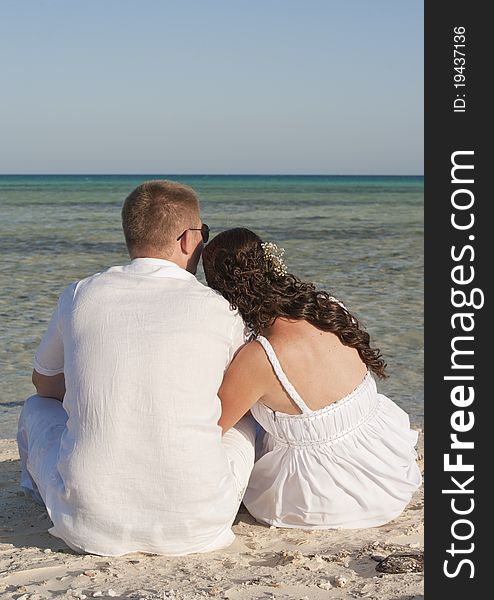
{"x": 317, "y": 364}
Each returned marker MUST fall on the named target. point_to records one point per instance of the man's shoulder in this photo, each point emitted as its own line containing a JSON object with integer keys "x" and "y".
{"x": 208, "y": 292}
{"x": 211, "y": 297}
{"x": 74, "y": 289}
{"x": 212, "y": 304}
{"x": 191, "y": 288}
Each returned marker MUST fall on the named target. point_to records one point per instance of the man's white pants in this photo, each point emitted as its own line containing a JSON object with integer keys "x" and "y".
{"x": 42, "y": 423}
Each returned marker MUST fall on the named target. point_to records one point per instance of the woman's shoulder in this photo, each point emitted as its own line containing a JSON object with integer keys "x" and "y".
{"x": 250, "y": 361}
{"x": 249, "y": 370}
{"x": 251, "y": 353}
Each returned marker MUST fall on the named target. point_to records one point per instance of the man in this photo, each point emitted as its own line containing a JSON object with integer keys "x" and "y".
{"x": 133, "y": 459}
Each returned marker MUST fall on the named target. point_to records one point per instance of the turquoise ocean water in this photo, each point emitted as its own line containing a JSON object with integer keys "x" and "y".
{"x": 359, "y": 237}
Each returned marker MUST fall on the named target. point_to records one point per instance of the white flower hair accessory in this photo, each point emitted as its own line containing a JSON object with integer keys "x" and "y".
{"x": 274, "y": 258}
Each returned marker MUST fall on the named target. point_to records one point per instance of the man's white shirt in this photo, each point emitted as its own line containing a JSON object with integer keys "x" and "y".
{"x": 141, "y": 464}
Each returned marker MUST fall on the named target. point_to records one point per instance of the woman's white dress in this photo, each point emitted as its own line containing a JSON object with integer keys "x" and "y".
{"x": 348, "y": 465}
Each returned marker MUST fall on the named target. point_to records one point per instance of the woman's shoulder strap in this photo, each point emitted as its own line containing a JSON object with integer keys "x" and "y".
{"x": 290, "y": 390}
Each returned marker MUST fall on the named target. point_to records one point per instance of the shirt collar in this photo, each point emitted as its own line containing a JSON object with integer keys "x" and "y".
{"x": 159, "y": 267}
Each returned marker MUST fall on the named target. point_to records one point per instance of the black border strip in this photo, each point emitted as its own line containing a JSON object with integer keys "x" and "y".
{"x": 460, "y": 128}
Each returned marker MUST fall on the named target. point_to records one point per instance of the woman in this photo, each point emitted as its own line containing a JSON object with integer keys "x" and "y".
{"x": 335, "y": 453}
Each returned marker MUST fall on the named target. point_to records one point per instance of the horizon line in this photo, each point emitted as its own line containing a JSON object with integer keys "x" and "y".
{"x": 216, "y": 174}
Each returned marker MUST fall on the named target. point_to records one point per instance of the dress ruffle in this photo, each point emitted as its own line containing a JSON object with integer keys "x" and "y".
{"x": 351, "y": 464}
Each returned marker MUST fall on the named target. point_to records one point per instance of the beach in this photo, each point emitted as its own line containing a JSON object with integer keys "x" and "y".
{"x": 262, "y": 563}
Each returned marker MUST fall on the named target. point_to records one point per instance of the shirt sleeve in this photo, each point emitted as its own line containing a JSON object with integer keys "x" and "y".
{"x": 48, "y": 359}
{"x": 240, "y": 335}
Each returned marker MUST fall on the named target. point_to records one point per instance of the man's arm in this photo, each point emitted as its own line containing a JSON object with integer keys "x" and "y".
{"x": 49, "y": 386}
{"x": 48, "y": 374}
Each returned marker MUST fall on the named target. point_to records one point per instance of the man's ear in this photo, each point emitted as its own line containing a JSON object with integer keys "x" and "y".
{"x": 187, "y": 244}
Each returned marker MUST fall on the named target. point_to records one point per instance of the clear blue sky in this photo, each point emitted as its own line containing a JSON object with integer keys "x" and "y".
{"x": 212, "y": 86}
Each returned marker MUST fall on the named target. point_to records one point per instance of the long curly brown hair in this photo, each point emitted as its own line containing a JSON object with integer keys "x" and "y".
{"x": 235, "y": 265}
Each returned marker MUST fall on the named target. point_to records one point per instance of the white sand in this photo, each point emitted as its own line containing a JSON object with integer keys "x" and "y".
{"x": 263, "y": 562}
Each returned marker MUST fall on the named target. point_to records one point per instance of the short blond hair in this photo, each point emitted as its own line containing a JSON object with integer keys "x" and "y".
{"x": 156, "y": 212}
